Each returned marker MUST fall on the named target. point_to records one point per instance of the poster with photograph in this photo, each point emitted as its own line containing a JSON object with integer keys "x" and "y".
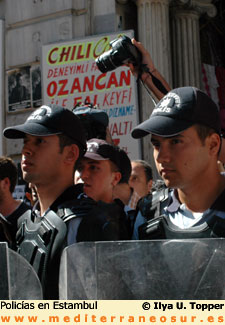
{"x": 36, "y": 86}
{"x": 19, "y": 95}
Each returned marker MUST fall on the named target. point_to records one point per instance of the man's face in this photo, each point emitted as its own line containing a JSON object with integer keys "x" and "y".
{"x": 42, "y": 162}
{"x": 182, "y": 160}
{"x": 98, "y": 178}
{"x": 138, "y": 180}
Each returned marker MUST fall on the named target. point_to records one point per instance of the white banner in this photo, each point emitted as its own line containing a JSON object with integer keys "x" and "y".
{"x": 70, "y": 75}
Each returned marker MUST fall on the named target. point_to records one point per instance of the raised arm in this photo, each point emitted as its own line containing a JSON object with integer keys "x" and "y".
{"x": 147, "y": 77}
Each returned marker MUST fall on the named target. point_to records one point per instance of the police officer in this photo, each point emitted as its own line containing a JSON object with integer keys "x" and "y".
{"x": 185, "y": 134}
{"x": 53, "y": 139}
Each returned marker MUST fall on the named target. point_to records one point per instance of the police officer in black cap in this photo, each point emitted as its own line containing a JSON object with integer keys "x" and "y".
{"x": 185, "y": 134}
{"x": 54, "y": 139}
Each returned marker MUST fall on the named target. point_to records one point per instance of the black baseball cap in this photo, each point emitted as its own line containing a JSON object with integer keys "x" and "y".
{"x": 178, "y": 110}
{"x": 101, "y": 150}
{"x": 95, "y": 114}
{"x": 49, "y": 120}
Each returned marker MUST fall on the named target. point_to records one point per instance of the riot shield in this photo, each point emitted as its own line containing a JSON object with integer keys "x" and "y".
{"x": 18, "y": 279}
{"x": 157, "y": 269}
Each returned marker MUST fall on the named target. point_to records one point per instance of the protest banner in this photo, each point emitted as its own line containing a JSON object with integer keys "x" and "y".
{"x": 70, "y": 75}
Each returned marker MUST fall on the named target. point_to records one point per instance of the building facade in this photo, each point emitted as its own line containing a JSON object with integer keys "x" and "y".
{"x": 185, "y": 39}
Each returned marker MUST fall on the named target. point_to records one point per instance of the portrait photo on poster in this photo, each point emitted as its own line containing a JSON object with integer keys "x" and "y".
{"x": 19, "y": 94}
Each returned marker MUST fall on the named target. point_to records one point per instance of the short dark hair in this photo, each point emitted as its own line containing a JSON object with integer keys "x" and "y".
{"x": 147, "y": 168}
{"x": 8, "y": 170}
{"x": 115, "y": 168}
{"x": 64, "y": 141}
{"x": 203, "y": 131}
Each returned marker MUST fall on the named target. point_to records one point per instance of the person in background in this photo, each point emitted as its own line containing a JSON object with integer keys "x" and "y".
{"x": 155, "y": 82}
{"x": 103, "y": 167}
{"x": 140, "y": 179}
{"x": 11, "y": 209}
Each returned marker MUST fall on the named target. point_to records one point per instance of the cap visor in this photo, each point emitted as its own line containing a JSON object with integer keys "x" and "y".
{"x": 35, "y": 129}
{"x": 160, "y": 125}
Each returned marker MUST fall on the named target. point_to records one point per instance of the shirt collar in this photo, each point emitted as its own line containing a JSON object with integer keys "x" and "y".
{"x": 69, "y": 194}
{"x": 174, "y": 203}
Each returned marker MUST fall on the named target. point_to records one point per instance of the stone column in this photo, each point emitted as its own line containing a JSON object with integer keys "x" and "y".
{"x": 186, "y": 55}
{"x": 153, "y": 33}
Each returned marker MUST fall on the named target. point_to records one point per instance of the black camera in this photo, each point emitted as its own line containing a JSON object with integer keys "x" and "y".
{"x": 95, "y": 121}
{"x": 122, "y": 51}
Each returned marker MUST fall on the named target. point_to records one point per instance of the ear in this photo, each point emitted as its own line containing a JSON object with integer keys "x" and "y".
{"x": 71, "y": 153}
{"x": 214, "y": 144}
{"x": 116, "y": 178}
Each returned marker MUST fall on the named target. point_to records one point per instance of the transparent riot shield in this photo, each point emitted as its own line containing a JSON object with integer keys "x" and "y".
{"x": 157, "y": 269}
{"x": 18, "y": 279}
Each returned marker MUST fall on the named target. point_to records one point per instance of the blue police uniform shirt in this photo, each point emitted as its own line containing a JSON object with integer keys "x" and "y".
{"x": 183, "y": 218}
